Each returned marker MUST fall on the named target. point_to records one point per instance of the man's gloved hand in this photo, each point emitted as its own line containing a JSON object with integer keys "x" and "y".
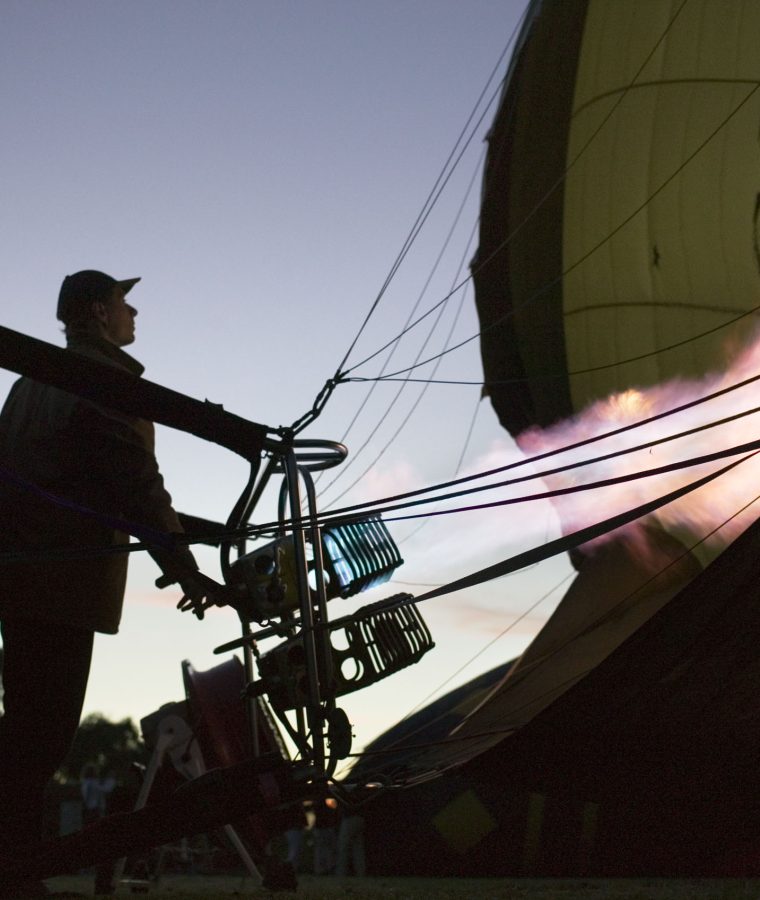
{"x": 198, "y": 595}
{"x": 198, "y": 590}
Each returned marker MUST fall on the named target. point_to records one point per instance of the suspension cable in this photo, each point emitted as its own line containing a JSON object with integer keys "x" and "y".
{"x": 367, "y": 507}
{"x": 539, "y": 293}
{"x": 433, "y": 327}
{"x": 400, "y": 748}
{"x": 435, "y": 192}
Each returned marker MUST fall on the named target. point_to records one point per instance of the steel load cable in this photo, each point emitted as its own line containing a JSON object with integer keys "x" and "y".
{"x": 374, "y": 507}
{"x": 570, "y": 542}
{"x": 589, "y": 533}
{"x": 582, "y": 536}
{"x": 398, "y": 747}
{"x": 182, "y": 539}
{"x": 408, "y": 415}
{"x": 750, "y": 448}
{"x": 561, "y": 491}
{"x": 325, "y": 393}
{"x": 395, "y": 399}
{"x": 486, "y": 647}
{"x": 340, "y": 376}
{"x": 578, "y": 262}
{"x": 555, "y": 650}
{"x": 249, "y": 531}
{"x": 563, "y": 176}
{"x": 396, "y": 344}
{"x": 436, "y": 190}
{"x": 354, "y": 512}
{"x": 392, "y": 376}
{"x": 547, "y": 377}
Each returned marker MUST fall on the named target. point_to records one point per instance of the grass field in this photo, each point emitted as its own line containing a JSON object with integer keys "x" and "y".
{"x": 311, "y": 888}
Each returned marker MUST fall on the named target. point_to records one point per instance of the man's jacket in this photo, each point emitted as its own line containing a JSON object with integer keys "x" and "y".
{"x": 55, "y": 564}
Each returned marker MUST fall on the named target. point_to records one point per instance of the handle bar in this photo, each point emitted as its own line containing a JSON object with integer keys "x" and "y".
{"x": 323, "y": 455}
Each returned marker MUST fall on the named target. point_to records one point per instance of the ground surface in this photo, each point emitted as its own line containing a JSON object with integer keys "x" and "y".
{"x": 311, "y": 888}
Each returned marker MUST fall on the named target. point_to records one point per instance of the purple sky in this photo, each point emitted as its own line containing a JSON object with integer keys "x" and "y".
{"x": 260, "y": 164}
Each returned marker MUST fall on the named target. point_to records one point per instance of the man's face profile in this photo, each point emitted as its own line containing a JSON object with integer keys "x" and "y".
{"x": 117, "y": 318}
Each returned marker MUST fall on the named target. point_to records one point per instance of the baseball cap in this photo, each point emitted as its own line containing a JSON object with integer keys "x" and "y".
{"x": 83, "y": 288}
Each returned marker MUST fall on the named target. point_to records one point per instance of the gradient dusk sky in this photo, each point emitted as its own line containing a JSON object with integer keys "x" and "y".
{"x": 260, "y": 165}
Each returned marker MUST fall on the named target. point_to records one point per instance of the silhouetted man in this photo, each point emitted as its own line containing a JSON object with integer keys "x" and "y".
{"x": 52, "y": 601}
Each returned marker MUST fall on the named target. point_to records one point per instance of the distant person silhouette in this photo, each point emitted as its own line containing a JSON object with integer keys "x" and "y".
{"x": 351, "y": 854}
{"x": 325, "y": 835}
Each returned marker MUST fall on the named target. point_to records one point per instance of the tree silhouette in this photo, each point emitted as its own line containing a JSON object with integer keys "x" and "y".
{"x": 109, "y": 746}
